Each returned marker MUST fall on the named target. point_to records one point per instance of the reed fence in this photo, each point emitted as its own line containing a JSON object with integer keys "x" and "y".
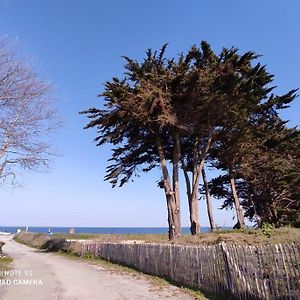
{"x": 244, "y": 272}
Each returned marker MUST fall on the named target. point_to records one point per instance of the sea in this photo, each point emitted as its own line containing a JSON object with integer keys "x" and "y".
{"x": 103, "y": 230}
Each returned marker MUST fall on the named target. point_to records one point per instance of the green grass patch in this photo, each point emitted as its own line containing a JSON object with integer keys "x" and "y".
{"x": 4, "y": 260}
{"x": 76, "y": 236}
{"x": 5, "y": 264}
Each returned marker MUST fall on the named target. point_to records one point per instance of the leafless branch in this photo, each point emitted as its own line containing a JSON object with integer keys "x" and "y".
{"x": 27, "y": 117}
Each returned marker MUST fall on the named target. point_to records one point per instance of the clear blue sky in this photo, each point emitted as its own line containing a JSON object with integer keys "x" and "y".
{"x": 78, "y": 45}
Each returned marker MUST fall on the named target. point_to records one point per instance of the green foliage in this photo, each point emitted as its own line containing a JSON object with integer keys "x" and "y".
{"x": 296, "y": 220}
{"x": 267, "y": 229}
{"x": 88, "y": 255}
{"x": 5, "y": 264}
{"x": 5, "y": 260}
{"x": 220, "y": 109}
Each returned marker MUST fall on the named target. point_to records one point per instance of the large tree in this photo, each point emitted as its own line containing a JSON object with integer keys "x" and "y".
{"x": 27, "y": 117}
{"x": 202, "y": 108}
{"x": 139, "y": 121}
{"x": 257, "y": 153}
{"x": 271, "y": 190}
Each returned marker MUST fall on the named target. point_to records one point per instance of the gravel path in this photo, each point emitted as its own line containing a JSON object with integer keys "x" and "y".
{"x": 40, "y": 275}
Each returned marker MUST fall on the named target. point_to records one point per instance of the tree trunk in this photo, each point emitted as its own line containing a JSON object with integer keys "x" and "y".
{"x": 239, "y": 212}
{"x": 208, "y": 202}
{"x": 2, "y": 166}
{"x": 187, "y": 179}
{"x": 3, "y": 149}
{"x": 193, "y": 205}
{"x": 176, "y": 158}
{"x": 199, "y": 157}
{"x": 256, "y": 216}
{"x": 172, "y": 205}
{"x": 194, "y": 215}
{"x": 193, "y": 210}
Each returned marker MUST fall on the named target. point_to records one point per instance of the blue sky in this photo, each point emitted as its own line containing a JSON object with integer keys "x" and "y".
{"x": 78, "y": 45}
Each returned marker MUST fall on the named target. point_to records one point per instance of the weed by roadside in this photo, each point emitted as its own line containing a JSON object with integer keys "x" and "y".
{"x": 5, "y": 264}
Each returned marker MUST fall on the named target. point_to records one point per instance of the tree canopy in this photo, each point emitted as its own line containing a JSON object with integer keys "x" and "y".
{"x": 203, "y": 109}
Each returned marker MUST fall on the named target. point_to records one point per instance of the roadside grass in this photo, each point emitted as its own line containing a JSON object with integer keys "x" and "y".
{"x": 5, "y": 264}
{"x": 248, "y": 236}
{"x": 114, "y": 237}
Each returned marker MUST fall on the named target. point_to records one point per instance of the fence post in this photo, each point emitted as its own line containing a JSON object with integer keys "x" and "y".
{"x": 230, "y": 285}
{"x": 286, "y": 271}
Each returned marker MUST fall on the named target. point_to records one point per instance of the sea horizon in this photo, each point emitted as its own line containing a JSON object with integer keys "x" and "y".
{"x": 99, "y": 230}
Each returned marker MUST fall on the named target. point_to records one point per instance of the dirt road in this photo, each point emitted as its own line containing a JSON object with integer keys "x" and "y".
{"x": 39, "y": 276}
